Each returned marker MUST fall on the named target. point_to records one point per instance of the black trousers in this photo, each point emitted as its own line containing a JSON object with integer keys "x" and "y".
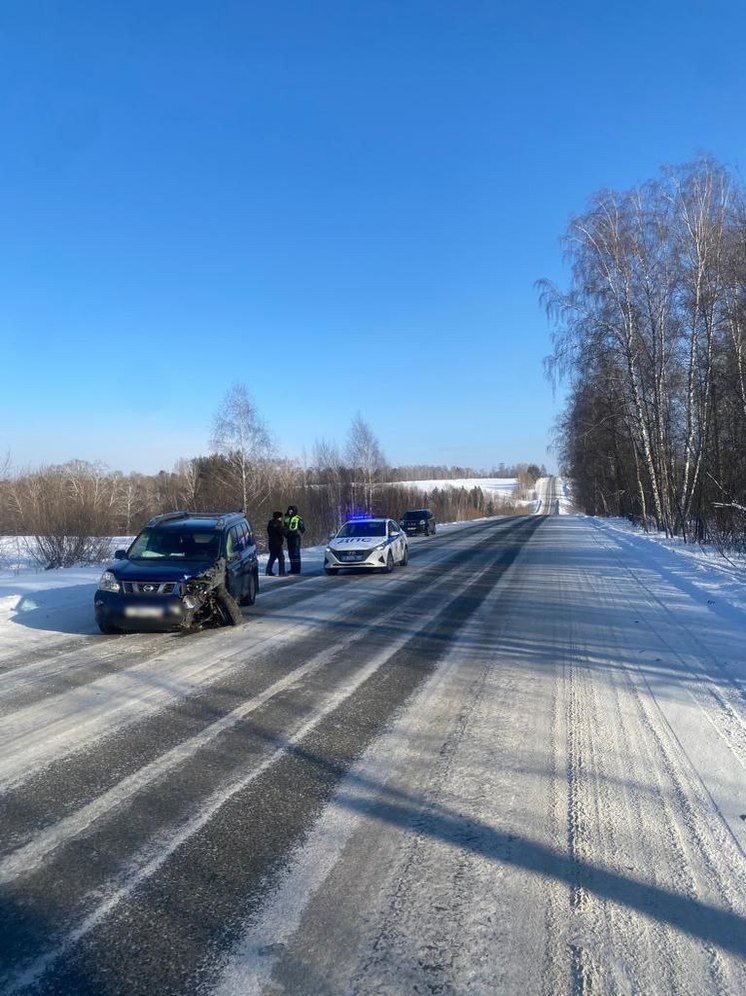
{"x": 294, "y": 553}
{"x": 279, "y": 556}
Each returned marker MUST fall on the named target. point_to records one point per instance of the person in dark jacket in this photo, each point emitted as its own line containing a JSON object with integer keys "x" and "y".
{"x": 275, "y": 541}
{"x": 294, "y": 529}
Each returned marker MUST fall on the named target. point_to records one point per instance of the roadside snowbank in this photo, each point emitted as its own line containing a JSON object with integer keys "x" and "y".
{"x": 715, "y": 576}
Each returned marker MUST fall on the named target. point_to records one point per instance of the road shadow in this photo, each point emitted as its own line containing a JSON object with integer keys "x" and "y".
{"x": 67, "y": 610}
{"x": 709, "y": 924}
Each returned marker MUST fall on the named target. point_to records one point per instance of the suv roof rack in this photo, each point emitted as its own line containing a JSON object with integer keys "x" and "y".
{"x": 219, "y": 517}
{"x": 166, "y": 516}
{"x": 211, "y": 515}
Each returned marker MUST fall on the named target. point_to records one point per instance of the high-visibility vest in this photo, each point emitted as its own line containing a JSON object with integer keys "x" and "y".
{"x": 293, "y": 522}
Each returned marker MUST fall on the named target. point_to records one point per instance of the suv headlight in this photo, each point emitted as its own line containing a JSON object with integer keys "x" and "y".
{"x": 108, "y": 582}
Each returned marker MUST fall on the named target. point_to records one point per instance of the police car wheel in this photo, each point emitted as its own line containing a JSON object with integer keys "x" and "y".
{"x": 389, "y": 563}
{"x": 405, "y": 557}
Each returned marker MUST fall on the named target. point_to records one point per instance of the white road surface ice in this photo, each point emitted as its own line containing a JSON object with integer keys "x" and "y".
{"x": 559, "y": 809}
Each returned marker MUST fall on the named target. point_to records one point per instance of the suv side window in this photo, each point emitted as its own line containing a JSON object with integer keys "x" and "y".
{"x": 233, "y": 542}
{"x": 246, "y": 535}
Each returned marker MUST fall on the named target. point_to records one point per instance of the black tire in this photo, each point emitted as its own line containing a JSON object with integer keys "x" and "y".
{"x": 229, "y": 608}
{"x": 427, "y": 530}
{"x": 250, "y": 597}
{"x": 108, "y": 630}
{"x": 330, "y": 570}
{"x": 389, "y": 563}
{"x": 405, "y": 557}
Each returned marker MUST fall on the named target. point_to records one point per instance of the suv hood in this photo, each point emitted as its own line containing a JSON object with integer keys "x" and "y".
{"x": 145, "y": 570}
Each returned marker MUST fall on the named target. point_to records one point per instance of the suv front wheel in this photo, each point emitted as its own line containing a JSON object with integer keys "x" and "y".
{"x": 108, "y": 630}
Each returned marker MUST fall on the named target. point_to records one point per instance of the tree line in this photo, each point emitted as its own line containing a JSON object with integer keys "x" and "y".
{"x": 650, "y": 335}
{"x": 71, "y": 511}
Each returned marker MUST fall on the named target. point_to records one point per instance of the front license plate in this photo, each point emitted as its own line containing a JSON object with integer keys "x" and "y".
{"x": 350, "y": 557}
{"x": 144, "y": 611}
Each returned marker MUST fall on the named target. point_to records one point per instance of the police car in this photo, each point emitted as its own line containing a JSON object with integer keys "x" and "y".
{"x": 375, "y": 544}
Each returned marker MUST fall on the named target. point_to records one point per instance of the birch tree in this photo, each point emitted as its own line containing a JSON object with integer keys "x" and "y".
{"x": 365, "y": 457}
{"x": 657, "y": 299}
{"x": 240, "y": 435}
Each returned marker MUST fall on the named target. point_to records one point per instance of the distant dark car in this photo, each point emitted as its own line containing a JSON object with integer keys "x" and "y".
{"x": 420, "y": 520}
{"x": 155, "y": 584}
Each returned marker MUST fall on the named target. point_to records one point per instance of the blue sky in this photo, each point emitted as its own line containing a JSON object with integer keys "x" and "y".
{"x": 343, "y": 205}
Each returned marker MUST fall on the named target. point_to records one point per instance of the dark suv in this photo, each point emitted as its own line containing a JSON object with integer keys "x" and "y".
{"x": 152, "y": 586}
{"x": 421, "y": 520}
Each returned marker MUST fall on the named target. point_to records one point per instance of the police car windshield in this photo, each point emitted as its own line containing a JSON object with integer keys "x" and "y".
{"x": 175, "y": 544}
{"x": 363, "y": 529}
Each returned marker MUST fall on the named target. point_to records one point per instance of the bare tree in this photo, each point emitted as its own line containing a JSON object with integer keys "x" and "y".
{"x": 329, "y": 475}
{"x": 240, "y": 435}
{"x": 365, "y": 457}
{"x": 651, "y": 336}
{"x": 188, "y": 479}
{"x": 65, "y": 512}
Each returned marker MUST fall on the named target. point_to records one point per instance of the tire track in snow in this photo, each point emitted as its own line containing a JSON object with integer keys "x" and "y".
{"x": 55, "y": 672}
{"x": 449, "y": 863}
{"x": 676, "y": 807}
{"x": 624, "y": 765}
{"x": 704, "y": 849}
{"x": 603, "y": 823}
{"x": 720, "y": 696}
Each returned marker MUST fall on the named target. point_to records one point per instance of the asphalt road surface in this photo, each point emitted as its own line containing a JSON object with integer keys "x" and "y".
{"x": 511, "y": 766}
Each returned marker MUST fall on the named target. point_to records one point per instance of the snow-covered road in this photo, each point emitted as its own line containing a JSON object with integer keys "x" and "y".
{"x": 515, "y": 766}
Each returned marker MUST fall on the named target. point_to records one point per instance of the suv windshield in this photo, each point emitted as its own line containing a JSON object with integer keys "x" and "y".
{"x": 422, "y": 514}
{"x": 362, "y": 529}
{"x": 175, "y": 544}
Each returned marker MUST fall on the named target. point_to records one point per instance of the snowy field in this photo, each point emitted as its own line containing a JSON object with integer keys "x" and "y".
{"x": 493, "y": 487}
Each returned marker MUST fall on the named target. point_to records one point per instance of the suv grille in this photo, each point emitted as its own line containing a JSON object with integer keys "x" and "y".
{"x": 150, "y": 587}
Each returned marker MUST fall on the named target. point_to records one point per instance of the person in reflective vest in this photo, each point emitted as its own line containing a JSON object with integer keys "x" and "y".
{"x": 294, "y": 529}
